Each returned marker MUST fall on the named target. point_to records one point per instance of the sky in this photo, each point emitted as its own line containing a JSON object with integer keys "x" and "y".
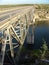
{"x": 24, "y": 2}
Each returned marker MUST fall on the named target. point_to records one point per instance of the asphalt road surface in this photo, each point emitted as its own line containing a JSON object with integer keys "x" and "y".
{"x": 8, "y": 14}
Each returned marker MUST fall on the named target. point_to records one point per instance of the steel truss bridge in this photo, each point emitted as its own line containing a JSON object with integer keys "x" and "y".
{"x": 14, "y": 24}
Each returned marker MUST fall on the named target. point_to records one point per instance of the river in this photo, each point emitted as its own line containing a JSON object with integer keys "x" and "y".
{"x": 41, "y": 32}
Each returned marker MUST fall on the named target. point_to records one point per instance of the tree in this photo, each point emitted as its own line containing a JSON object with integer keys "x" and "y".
{"x": 44, "y": 48}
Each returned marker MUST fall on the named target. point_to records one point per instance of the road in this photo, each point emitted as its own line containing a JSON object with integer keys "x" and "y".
{"x": 12, "y": 15}
{"x": 8, "y": 14}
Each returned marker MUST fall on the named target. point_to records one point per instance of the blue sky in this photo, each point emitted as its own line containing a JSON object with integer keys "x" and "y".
{"x": 24, "y": 2}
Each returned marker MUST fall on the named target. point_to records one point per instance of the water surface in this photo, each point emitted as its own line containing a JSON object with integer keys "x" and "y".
{"x": 41, "y": 32}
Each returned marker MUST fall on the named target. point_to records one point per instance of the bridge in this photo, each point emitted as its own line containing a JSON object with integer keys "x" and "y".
{"x": 14, "y": 23}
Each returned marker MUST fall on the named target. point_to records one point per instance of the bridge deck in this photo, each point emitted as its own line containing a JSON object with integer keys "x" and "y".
{"x": 9, "y": 15}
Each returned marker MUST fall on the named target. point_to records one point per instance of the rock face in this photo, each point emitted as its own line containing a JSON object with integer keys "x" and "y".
{"x": 30, "y": 35}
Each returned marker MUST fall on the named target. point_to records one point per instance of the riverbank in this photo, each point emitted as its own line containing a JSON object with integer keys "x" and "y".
{"x": 38, "y": 23}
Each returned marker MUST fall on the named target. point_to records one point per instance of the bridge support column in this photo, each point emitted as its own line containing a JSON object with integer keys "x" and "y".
{"x": 10, "y": 42}
{"x": 2, "y": 54}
